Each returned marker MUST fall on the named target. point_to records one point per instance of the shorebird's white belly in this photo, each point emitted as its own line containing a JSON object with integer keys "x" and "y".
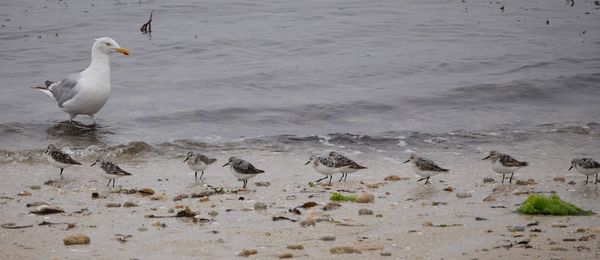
{"x": 501, "y": 169}
{"x": 240, "y": 176}
{"x": 425, "y": 173}
{"x": 110, "y": 176}
{"x": 56, "y": 163}
{"x": 198, "y": 167}
{"x": 322, "y": 169}
{"x": 587, "y": 172}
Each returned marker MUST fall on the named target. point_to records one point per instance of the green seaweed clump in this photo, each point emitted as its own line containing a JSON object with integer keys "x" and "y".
{"x": 336, "y": 196}
{"x": 537, "y": 204}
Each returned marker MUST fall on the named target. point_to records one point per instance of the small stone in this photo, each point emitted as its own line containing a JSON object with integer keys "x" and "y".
{"x": 395, "y": 178}
{"x": 46, "y": 209}
{"x": 480, "y": 219}
{"x": 35, "y": 204}
{"x": 449, "y": 189}
{"x": 290, "y": 197}
{"x": 180, "y": 197}
{"x": 213, "y": 213}
{"x": 572, "y": 183}
{"x": 204, "y": 199}
{"x": 113, "y": 205}
{"x": 260, "y": 206}
{"x": 161, "y": 196}
{"x": 379, "y": 215}
{"x": 262, "y": 184}
{"x": 327, "y": 238}
{"x": 129, "y": 204}
{"x": 559, "y": 179}
{"x": 71, "y": 225}
{"x": 580, "y": 230}
{"x": 344, "y": 250}
{"x": 24, "y": 193}
{"x": 95, "y": 195}
{"x": 286, "y": 255}
{"x": 248, "y": 252}
{"x": 385, "y": 253}
{"x": 295, "y": 247}
{"x": 489, "y": 199}
{"x": 527, "y": 182}
{"x": 373, "y": 185}
{"x": 365, "y": 198}
{"x": 146, "y": 191}
{"x": 309, "y": 222}
{"x": 517, "y": 229}
{"x": 35, "y": 187}
{"x": 365, "y": 212}
{"x": 488, "y": 180}
{"x": 309, "y": 204}
{"x": 78, "y": 239}
{"x": 463, "y": 195}
{"x": 332, "y": 206}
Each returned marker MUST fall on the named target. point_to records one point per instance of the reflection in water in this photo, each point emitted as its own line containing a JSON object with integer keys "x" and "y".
{"x": 75, "y": 133}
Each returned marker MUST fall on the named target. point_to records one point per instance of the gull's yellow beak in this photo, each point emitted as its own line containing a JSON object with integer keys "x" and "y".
{"x": 123, "y": 50}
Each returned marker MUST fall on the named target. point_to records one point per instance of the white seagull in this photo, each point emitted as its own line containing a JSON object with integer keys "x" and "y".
{"x": 85, "y": 93}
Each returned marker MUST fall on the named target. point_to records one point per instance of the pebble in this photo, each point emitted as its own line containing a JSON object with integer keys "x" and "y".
{"x": 213, "y": 213}
{"x": 489, "y": 199}
{"x": 395, "y": 178}
{"x": 129, "y": 204}
{"x": 517, "y": 229}
{"x": 463, "y": 195}
{"x": 488, "y": 180}
{"x": 262, "y": 184}
{"x": 365, "y": 198}
{"x": 260, "y": 206}
{"x": 146, "y": 191}
{"x": 113, "y": 205}
{"x": 45, "y": 210}
{"x": 78, "y": 239}
{"x": 365, "y": 212}
{"x": 385, "y": 253}
{"x": 248, "y": 252}
{"x": 327, "y": 238}
{"x": 344, "y": 250}
{"x": 296, "y": 247}
{"x": 35, "y": 187}
{"x": 95, "y": 195}
{"x": 286, "y": 255}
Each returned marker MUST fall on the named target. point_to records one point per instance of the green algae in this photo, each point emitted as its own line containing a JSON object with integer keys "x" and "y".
{"x": 537, "y": 204}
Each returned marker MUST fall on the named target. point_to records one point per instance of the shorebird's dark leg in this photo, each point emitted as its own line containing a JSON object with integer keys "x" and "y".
{"x": 345, "y": 177}
{"x": 341, "y": 177}
{"x": 108, "y": 182}
{"x": 427, "y": 180}
{"x": 596, "y": 179}
{"x": 586, "y": 179}
{"x": 421, "y": 179}
{"x": 114, "y": 182}
{"x": 196, "y": 175}
{"x": 321, "y": 179}
{"x": 61, "y": 170}
{"x": 510, "y": 181}
{"x": 201, "y": 175}
{"x": 330, "y": 177}
{"x": 244, "y": 182}
{"x": 503, "y": 178}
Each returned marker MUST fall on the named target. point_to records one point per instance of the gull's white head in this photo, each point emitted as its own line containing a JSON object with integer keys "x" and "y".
{"x": 107, "y": 45}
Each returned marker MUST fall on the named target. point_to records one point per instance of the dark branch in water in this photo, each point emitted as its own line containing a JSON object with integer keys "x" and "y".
{"x": 147, "y": 27}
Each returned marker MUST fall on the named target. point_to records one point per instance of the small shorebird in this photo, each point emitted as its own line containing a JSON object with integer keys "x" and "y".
{"x": 424, "y": 167}
{"x": 198, "y": 162}
{"x": 86, "y": 92}
{"x": 344, "y": 165}
{"x": 323, "y": 165}
{"x": 243, "y": 170}
{"x": 587, "y": 167}
{"x": 59, "y": 159}
{"x": 111, "y": 170}
{"x": 504, "y": 164}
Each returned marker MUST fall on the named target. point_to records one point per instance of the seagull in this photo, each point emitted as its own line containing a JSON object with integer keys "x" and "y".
{"x": 344, "y": 165}
{"x": 111, "y": 170}
{"x": 424, "y": 167}
{"x": 59, "y": 159}
{"x": 85, "y": 93}
{"x": 198, "y": 162}
{"x": 587, "y": 167}
{"x": 504, "y": 164}
{"x": 323, "y": 165}
{"x": 243, "y": 170}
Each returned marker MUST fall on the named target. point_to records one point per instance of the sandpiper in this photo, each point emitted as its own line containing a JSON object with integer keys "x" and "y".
{"x": 59, "y": 159}
{"x": 587, "y": 167}
{"x": 323, "y": 165}
{"x": 198, "y": 162}
{"x": 505, "y": 164}
{"x": 424, "y": 167}
{"x": 243, "y": 170}
{"x": 344, "y": 165}
{"x": 111, "y": 170}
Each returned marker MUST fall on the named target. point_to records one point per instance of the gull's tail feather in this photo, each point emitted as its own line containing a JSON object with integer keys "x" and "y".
{"x": 46, "y": 89}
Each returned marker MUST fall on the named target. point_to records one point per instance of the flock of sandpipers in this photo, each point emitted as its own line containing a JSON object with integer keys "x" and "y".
{"x": 327, "y": 165}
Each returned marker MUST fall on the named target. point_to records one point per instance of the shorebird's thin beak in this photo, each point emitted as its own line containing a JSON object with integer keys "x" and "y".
{"x": 186, "y": 159}
{"x": 123, "y": 51}
{"x": 487, "y": 157}
{"x": 307, "y": 163}
{"x": 93, "y": 164}
{"x": 570, "y": 167}
{"x": 407, "y": 161}
{"x": 226, "y": 164}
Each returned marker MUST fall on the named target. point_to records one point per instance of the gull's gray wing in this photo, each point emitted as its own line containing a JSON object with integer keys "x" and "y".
{"x": 65, "y": 89}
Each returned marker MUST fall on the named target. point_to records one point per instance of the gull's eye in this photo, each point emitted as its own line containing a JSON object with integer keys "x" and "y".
{"x": 108, "y": 44}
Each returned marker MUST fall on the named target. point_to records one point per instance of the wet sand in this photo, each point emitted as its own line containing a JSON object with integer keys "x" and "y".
{"x": 403, "y": 228}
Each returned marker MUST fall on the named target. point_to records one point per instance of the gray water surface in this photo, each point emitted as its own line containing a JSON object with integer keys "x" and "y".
{"x": 220, "y": 70}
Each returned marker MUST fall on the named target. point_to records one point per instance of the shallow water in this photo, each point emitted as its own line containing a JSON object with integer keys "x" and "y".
{"x": 216, "y": 71}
